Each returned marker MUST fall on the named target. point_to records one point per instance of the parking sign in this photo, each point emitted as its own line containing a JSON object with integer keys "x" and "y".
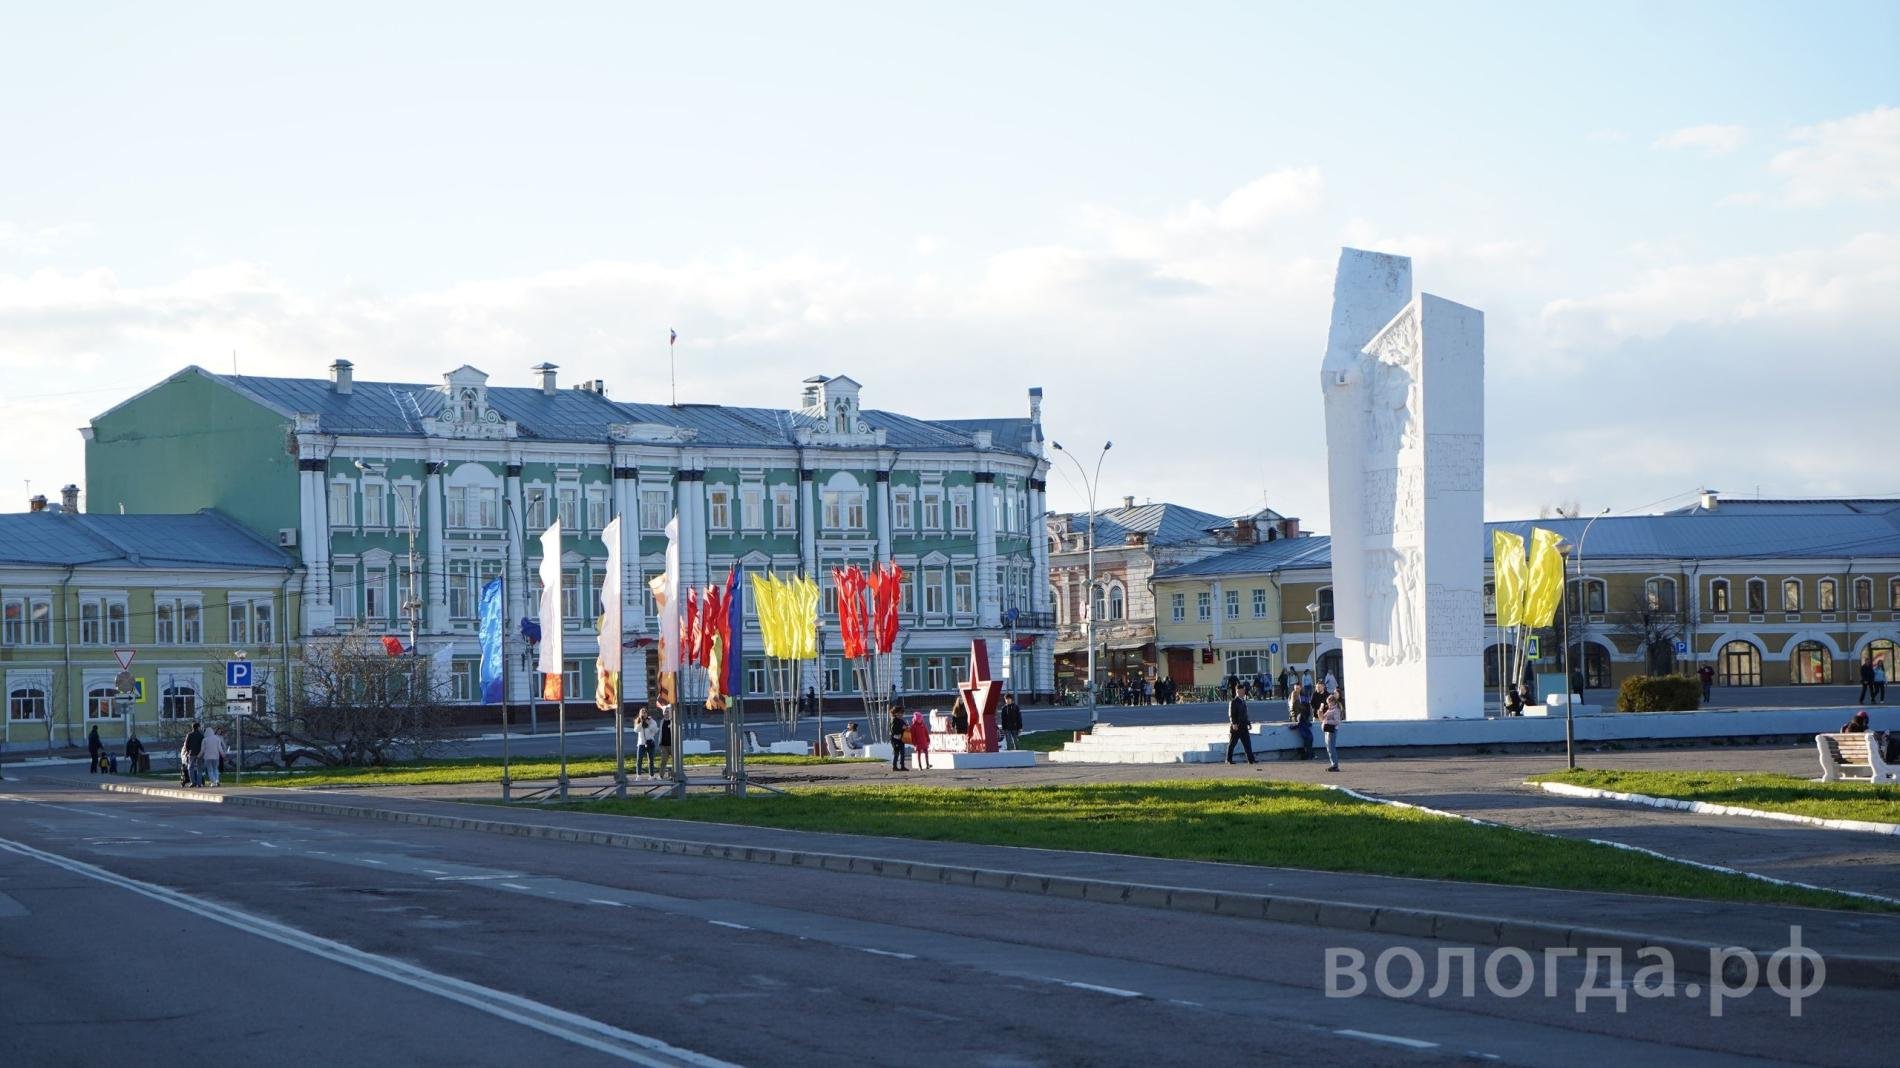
{"x": 237, "y": 673}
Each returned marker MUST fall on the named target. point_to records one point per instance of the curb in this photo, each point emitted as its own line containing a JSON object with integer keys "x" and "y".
{"x": 1530, "y": 935}
{"x": 1565, "y": 789}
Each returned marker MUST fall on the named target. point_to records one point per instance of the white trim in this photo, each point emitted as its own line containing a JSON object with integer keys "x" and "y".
{"x": 1564, "y": 789}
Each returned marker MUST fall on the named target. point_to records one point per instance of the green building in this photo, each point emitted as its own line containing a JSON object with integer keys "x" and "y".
{"x": 400, "y": 500}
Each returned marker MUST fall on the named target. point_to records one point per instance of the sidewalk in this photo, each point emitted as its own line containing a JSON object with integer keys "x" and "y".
{"x": 1460, "y": 913}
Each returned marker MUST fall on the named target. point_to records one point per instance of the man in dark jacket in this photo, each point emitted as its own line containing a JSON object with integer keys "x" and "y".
{"x": 1238, "y": 728}
{"x": 194, "y": 746}
{"x": 94, "y": 747}
{"x": 1011, "y": 720}
{"x": 1302, "y": 717}
{"x": 1866, "y": 679}
{"x": 134, "y": 755}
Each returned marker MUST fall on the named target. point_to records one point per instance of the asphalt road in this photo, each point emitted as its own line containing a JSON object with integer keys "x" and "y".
{"x": 157, "y": 932}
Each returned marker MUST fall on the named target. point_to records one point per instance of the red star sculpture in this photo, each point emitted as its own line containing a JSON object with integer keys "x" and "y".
{"x": 980, "y": 696}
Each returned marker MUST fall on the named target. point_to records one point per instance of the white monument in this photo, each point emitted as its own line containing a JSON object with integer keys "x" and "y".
{"x": 1404, "y": 386}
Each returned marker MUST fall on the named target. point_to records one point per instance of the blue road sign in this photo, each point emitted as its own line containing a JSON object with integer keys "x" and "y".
{"x": 1682, "y": 646}
{"x": 237, "y": 672}
{"x": 1273, "y": 647}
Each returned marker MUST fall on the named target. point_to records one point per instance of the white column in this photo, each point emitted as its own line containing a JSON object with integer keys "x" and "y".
{"x": 626, "y": 489}
{"x": 989, "y": 611}
{"x": 435, "y": 569}
{"x": 883, "y": 490}
{"x": 1040, "y": 603}
{"x": 808, "y": 551}
{"x": 519, "y": 681}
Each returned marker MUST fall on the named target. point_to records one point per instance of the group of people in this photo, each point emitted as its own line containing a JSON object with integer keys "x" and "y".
{"x": 653, "y": 744}
{"x": 1873, "y": 681}
{"x": 1888, "y": 741}
{"x": 201, "y": 757}
{"x": 912, "y": 735}
{"x": 1304, "y": 705}
{"x": 102, "y": 763}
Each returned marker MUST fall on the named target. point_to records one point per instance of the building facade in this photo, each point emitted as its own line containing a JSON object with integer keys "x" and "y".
{"x": 180, "y": 594}
{"x": 1767, "y": 593}
{"x": 401, "y": 500}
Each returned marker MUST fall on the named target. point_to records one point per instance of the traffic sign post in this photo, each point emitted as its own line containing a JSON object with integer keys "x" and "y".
{"x": 237, "y": 699}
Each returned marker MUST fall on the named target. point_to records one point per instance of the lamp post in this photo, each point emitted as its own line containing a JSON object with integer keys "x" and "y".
{"x": 1312, "y": 613}
{"x": 1570, "y": 699}
{"x": 1089, "y": 486}
{"x": 1583, "y": 601}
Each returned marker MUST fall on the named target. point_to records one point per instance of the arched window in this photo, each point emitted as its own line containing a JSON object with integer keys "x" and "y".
{"x": 1893, "y": 594}
{"x": 1497, "y": 661}
{"x": 1718, "y": 595}
{"x": 1863, "y": 594}
{"x": 26, "y": 701}
{"x": 1591, "y": 593}
{"x": 1593, "y": 661}
{"x": 1101, "y": 603}
{"x": 1660, "y": 595}
{"x": 1333, "y": 663}
{"x": 1791, "y": 595}
{"x": 1810, "y": 665}
{"x": 99, "y": 703}
{"x": 1738, "y": 664}
{"x": 1117, "y": 603}
{"x": 1880, "y": 651}
{"x": 1824, "y": 596}
{"x": 1757, "y": 596}
{"x": 1325, "y": 601}
{"x": 179, "y": 700}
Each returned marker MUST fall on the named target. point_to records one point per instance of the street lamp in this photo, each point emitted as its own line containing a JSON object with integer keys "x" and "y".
{"x": 1312, "y": 613}
{"x": 1583, "y": 602}
{"x": 1089, "y": 485}
{"x": 1570, "y": 699}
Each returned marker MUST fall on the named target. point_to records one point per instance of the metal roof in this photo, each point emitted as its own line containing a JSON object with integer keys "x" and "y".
{"x": 203, "y": 540}
{"x": 399, "y": 408}
{"x": 1164, "y": 523}
{"x": 1278, "y": 555}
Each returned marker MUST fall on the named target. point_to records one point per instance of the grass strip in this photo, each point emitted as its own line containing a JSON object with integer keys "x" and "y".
{"x": 1773, "y": 793}
{"x": 476, "y": 770}
{"x": 1045, "y": 741}
{"x": 1281, "y": 824}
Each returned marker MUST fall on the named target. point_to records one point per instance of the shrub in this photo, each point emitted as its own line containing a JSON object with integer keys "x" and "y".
{"x": 1659, "y": 693}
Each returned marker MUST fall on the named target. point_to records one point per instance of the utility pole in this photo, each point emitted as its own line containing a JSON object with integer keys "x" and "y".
{"x": 1089, "y": 485}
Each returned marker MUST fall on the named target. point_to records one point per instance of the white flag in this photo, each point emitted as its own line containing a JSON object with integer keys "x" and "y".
{"x": 665, "y": 587}
{"x": 550, "y": 663}
{"x": 608, "y": 659}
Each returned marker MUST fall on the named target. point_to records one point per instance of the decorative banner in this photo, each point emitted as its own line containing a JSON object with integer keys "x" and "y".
{"x": 788, "y": 616}
{"x": 734, "y": 628}
{"x": 887, "y": 595}
{"x": 607, "y": 631}
{"x": 853, "y": 618}
{"x": 392, "y": 645}
{"x": 1507, "y": 576}
{"x": 1544, "y": 589}
{"x": 490, "y": 633}
{"x": 692, "y": 645}
{"x": 665, "y": 587}
{"x": 551, "y": 627}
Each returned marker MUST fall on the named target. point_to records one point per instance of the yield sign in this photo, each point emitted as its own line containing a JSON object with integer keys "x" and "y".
{"x": 125, "y": 657}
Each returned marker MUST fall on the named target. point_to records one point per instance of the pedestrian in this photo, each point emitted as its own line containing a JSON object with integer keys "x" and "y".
{"x": 1286, "y": 680}
{"x": 1332, "y": 683}
{"x": 1513, "y": 701}
{"x": 1866, "y": 680}
{"x": 94, "y": 750}
{"x": 1301, "y": 714}
{"x": 211, "y": 755}
{"x": 1857, "y": 725}
{"x": 852, "y": 739}
{"x": 1012, "y": 723}
{"x": 1239, "y": 727}
{"x": 1707, "y": 675}
{"x": 900, "y": 740}
{"x": 1317, "y": 699}
{"x": 646, "y": 733}
{"x": 920, "y": 740}
{"x": 666, "y": 740}
{"x": 1880, "y": 682}
{"x": 194, "y": 746}
{"x": 1330, "y": 718}
{"x": 135, "y": 761}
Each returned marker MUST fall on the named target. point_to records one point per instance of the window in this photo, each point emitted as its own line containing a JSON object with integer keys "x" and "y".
{"x": 656, "y": 509}
{"x": 963, "y": 591}
{"x": 462, "y": 679}
{"x": 833, "y": 681}
{"x": 1893, "y": 593}
{"x": 374, "y": 494}
{"x": 934, "y": 679}
{"x": 344, "y": 593}
{"x": 1718, "y": 595}
{"x": 115, "y": 621}
{"x": 784, "y": 510}
{"x": 569, "y": 500}
{"x": 91, "y": 627}
{"x": 719, "y": 509}
{"x": 263, "y": 632}
{"x": 102, "y": 621}
{"x": 1177, "y": 607}
{"x": 960, "y": 510}
{"x": 597, "y": 508}
{"x": 406, "y": 505}
{"x": 1595, "y": 592}
{"x": 1260, "y": 604}
{"x": 1246, "y": 663}
{"x": 854, "y": 511}
{"x": 178, "y": 620}
{"x": 901, "y": 516}
{"x": 1325, "y": 601}
{"x": 178, "y": 700}
{"x": 1659, "y": 594}
{"x": 1791, "y": 595}
{"x": 239, "y": 629}
{"x": 537, "y": 511}
{"x": 1863, "y": 595}
{"x": 1098, "y": 603}
{"x": 458, "y": 505}
{"x": 28, "y": 620}
{"x": 933, "y": 510}
{"x": 571, "y": 681}
{"x": 1738, "y": 663}
{"x": 1810, "y": 665}
{"x": 1203, "y": 606}
{"x": 833, "y": 510}
{"x": 597, "y": 577}
{"x": 907, "y": 598}
{"x": 571, "y": 593}
{"x": 27, "y": 700}
{"x": 1757, "y": 596}
{"x": 376, "y": 594}
{"x": 1491, "y": 599}
{"x": 933, "y": 591}
{"x": 1117, "y": 603}
{"x": 1825, "y": 596}
{"x": 1232, "y": 600}
{"x": 752, "y": 507}
{"x": 1594, "y": 661}
{"x": 99, "y": 701}
{"x": 340, "y": 504}
{"x": 755, "y": 676}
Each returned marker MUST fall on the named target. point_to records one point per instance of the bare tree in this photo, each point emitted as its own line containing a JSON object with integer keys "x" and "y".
{"x": 356, "y": 704}
{"x": 1655, "y": 623}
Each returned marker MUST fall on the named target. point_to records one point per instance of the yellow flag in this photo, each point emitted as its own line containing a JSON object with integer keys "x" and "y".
{"x": 1507, "y": 576}
{"x": 1544, "y": 588}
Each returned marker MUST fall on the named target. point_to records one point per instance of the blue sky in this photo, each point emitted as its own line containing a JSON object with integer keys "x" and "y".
{"x": 1680, "y": 219}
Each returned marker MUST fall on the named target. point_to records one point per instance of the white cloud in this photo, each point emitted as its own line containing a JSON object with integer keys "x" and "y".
{"x": 1852, "y": 158}
{"x": 1711, "y": 139}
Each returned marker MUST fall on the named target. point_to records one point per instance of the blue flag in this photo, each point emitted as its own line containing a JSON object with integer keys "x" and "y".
{"x": 735, "y": 652}
{"x": 490, "y": 632}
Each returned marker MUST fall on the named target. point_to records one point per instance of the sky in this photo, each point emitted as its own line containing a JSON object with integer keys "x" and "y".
{"x": 1681, "y": 220}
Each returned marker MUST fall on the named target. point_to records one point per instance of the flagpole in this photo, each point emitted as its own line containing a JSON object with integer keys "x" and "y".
{"x": 672, "y": 379}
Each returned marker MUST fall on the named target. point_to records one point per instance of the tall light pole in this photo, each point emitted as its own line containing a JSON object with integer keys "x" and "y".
{"x": 1312, "y": 613}
{"x": 1089, "y": 485}
{"x": 1583, "y": 601}
{"x": 1570, "y": 699}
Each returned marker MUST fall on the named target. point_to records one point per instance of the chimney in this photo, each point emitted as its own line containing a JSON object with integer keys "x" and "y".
{"x": 546, "y": 371}
{"x": 36, "y": 503}
{"x": 1290, "y": 527}
{"x": 1128, "y": 501}
{"x": 1035, "y": 405}
{"x": 69, "y": 498}
{"x": 1243, "y": 532}
{"x": 342, "y": 377}
{"x": 808, "y": 397}
{"x": 1710, "y": 499}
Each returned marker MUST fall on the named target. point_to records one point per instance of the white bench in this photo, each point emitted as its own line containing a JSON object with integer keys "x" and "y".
{"x": 834, "y": 745}
{"x": 1841, "y": 752}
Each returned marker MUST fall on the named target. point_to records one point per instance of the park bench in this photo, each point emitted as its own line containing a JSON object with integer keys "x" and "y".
{"x": 834, "y": 744}
{"x": 1851, "y": 752}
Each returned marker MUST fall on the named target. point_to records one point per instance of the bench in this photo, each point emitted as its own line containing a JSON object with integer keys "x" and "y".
{"x": 1841, "y": 752}
{"x": 834, "y": 744}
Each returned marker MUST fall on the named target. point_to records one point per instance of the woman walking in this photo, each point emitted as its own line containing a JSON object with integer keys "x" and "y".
{"x": 920, "y": 740}
{"x": 900, "y": 740}
{"x": 1330, "y": 718}
{"x": 647, "y": 735}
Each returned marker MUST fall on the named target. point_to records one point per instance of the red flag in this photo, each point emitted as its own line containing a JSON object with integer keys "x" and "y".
{"x": 689, "y": 627}
{"x": 887, "y": 595}
{"x": 852, "y": 617}
{"x": 392, "y": 645}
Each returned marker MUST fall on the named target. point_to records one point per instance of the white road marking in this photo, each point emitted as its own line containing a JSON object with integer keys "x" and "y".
{"x": 1390, "y": 1040}
{"x": 734, "y": 926}
{"x": 1189, "y": 1004}
{"x": 516, "y": 886}
{"x": 558, "y": 1023}
{"x": 269, "y": 845}
{"x": 367, "y": 860}
{"x": 604, "y": 901}
{"x": 1115, "y": 990}
{"x": 432, "y": 871}
{"x": 472, "y": 878}
{"x": 886, "y": 953}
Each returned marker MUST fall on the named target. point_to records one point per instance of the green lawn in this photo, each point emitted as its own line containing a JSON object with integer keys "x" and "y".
{"x": 1775, "y": 793}
{"x": 1281, "y": 824}
{"x": 1045, "y": 741}
{"x": 476, "y": 769}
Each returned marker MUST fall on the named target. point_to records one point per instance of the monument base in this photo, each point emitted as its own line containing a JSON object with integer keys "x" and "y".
{"x": 1015, "y": 758}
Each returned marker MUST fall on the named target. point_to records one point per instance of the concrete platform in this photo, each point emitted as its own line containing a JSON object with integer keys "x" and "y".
{"x": 1015, "y": 758}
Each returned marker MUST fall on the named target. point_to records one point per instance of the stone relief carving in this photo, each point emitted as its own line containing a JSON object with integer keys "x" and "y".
{"x": 1455, "y": 461}
{"x": 1394, "y": 500}
{"x": 1457, "y": 617}
{"x": 1392, "y": 593}
{"x": 1392, "y": 394}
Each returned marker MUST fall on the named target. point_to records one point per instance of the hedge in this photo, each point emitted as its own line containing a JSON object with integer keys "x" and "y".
{"x": 1659, "y": 693}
